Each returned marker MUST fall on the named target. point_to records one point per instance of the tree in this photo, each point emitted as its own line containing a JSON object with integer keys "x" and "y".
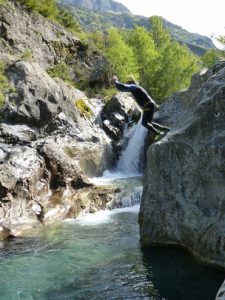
{"x": 176, "y": 63}
{"x": 121, "y": 55}
{"x": 161, "y": 36}
{"x": 146, "y": 55}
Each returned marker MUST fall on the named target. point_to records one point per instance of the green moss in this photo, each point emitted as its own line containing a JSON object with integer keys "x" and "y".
{"x": 27, "y": 55}
{"x": 70, "y": 151}
{"x": 2, "y": 99}
{"x": 84, "y": 109}
{"x": 2, "y": 2}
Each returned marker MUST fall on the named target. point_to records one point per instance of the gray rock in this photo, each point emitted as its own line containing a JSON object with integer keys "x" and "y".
{"x": 16, "y": 134}
{"x": 119, "y": 112}
{"x": 23, "y": 177}
{"x": 221, "y": 293}
{"x": 118, "y": 115}
{"x": 183, "y": 198}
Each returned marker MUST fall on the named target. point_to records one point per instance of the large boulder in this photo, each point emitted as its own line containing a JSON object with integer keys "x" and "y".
{"x": 183, "y": 198}
{"x": 118, "y": 116}
{"x": 120, "y": 111}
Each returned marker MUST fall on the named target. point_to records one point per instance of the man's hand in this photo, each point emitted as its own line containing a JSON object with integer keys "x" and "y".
{"x": 114, "y": 78}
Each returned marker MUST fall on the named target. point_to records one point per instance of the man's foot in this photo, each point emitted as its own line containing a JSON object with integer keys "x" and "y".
{"x": 166, "y": 128}
{"x": 159, "y": 136}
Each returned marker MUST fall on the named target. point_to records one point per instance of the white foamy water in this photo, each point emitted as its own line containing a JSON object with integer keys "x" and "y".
{"x": 129, "y": 161}
{"x": 103, "y": 216}
{"x": 109, "y": 177}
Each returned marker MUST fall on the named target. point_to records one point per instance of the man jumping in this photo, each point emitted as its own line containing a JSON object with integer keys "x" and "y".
{"x": 143, "y": 99}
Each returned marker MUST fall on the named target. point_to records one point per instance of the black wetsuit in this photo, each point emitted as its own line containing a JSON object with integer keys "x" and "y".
{"x": 147, "y": 104}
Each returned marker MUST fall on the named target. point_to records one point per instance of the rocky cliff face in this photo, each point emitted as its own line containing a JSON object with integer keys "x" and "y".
{"x": 34, "y": 38}
{"x": 183, "y": 200}
{"x": 49, "y": 145}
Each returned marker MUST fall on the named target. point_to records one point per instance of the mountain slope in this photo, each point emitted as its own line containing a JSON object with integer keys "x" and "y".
{"x": 98, "y": 5}
{"x": 92, "y": 17}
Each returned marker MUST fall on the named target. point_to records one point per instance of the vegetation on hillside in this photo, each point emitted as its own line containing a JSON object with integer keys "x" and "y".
{"x": 212, "y": 56}
{"x": 160, "y": 64}
{"x": 93, "y": 20}
{"x": 50, "y": 9}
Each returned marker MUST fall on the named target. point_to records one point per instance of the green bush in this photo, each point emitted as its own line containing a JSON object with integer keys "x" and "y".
{"x": 47, "y": 8}
{"x": 84, "y": 108}
{"x": 50, "y": 9}
{"x": 4, "y": 83}
{"x": 61, "y": 71}
{"x": 211, "y": 57}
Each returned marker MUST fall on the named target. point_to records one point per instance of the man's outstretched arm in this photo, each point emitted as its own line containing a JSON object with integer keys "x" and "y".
{"x": 123, "y": 87}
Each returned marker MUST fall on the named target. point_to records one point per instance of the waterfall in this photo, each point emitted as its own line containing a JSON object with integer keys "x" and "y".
{"x": 127, "y": 172}
{"x": 129, "y": 161}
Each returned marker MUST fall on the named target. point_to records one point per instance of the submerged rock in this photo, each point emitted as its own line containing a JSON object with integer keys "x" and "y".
{"x": 4, "y": 233}
{"x": 183, "y": 198}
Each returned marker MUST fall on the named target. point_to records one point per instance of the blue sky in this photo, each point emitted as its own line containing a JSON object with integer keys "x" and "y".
{"x": 199, "y": 16}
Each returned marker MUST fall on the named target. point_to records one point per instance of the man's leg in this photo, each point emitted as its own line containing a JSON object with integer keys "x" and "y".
{"x": 148, "y": 115}
{"x": 160, "y": 127}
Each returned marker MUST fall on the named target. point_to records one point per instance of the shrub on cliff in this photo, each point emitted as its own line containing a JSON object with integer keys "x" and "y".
{"x": 211, "y": 57}
{"x": 47, "y": 8}
{"x": 51, "y": 10}
{"x": 67, "y": 19}
{"x": 4, "y": 83}
{"x": 61, "y": 71}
